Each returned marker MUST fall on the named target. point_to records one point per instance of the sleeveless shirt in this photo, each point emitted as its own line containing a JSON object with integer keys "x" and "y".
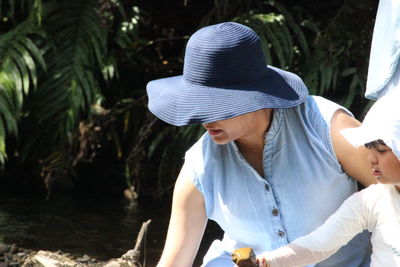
{"x": 303, "y": 185}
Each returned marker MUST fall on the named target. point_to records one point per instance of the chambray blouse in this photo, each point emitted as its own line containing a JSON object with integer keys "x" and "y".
{"x": 384, "y": 69}
{"x": 303, "y": 185}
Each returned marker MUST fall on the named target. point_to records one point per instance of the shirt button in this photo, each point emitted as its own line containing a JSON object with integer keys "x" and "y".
{"x": 275, "y": 212}
{"x": 266, "y": 187}
{"x": 281, "y": 233}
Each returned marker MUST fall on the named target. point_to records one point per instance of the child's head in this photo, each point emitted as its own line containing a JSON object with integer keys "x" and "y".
{"x": 380, "y": 133}
{"x": 384, "y": 163}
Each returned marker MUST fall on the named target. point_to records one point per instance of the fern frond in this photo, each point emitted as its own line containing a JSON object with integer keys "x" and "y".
{"x": 70, "y": 87}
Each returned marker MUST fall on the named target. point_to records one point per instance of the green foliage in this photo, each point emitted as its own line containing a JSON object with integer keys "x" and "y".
{"x": 330, "y": 58}
{"x": 51, "y": 66}
{"x": 20, "y": 59}
{"x": 70, "y": 86}
{"x": 337, "y": 66}
{"x": 73, "y": 75}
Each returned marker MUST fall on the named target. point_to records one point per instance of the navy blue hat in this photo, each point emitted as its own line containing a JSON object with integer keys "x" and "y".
{"x": 225, "y": 75}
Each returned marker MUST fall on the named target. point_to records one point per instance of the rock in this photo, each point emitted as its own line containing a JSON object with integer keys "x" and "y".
{"x": 84, "y": 258}
{"x": 4, "y": 248}
{"x": 130, "y": 194}
{"x": 13, "y": 248}
{"x": 49, "y": 259}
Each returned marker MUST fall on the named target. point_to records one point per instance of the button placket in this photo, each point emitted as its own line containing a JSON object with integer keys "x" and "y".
{"x": 281, "y": 233}
{"x": 275, "y": 220}
{"x": 275, "y": 211}
{"x": 266, "y": 186}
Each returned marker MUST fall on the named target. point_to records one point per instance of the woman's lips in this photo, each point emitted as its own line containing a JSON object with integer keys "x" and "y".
{"x": 214, "y": 132}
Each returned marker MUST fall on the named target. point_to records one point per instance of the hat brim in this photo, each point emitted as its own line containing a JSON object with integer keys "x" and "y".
{"x": 179, "y": 102}
{"x": 360, "y": 136}
{"x": 381, "y": 122}
{"x": 363, "y": 135}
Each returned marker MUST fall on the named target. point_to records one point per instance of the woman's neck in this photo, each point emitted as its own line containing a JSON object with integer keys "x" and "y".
{"x": 252, "y": 146}
{"x": 254, "y": 139}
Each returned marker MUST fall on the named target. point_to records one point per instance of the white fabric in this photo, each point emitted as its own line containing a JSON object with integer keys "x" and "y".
{"x": 376, "y": 208}
{"x": 381, "y": 122}
{"x": 384, "y": 70}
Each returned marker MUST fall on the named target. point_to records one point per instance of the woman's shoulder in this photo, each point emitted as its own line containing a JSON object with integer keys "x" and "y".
{"x": 323, "y": 107}
{"x": 203, "y": 146}
{"x": 206, "y": 151}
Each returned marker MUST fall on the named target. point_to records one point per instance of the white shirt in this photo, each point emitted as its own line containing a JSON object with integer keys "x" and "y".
{"x": 376, "y": 208}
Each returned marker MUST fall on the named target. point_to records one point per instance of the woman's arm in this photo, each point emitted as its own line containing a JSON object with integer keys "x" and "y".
{"x": 186, "y": 226}
{"x": 349, "y": 220}
{"x": 353, "y": 160}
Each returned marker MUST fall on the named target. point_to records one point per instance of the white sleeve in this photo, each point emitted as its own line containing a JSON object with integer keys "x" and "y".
{"x": 339, "y": 228}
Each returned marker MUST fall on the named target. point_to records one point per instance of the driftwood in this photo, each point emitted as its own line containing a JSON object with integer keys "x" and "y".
{"x": 57, "y": 259}
{"x": 132, "y": 257}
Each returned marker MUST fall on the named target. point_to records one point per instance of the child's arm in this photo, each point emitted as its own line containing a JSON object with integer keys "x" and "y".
{"x": 340, "y": 228}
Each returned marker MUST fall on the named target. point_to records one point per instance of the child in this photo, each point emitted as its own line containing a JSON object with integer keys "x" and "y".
{"x": 376, "y": 208}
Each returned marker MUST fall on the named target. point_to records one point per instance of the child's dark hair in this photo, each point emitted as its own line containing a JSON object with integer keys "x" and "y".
{"x": 374, "y": 144}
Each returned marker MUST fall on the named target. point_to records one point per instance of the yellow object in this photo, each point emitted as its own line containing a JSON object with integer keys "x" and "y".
{"x": 244, "y": 257}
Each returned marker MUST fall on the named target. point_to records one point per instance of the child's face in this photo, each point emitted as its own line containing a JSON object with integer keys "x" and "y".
{"x": 385, "y": 165}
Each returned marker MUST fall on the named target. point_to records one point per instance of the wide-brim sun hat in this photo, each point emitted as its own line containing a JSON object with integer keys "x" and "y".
{"x": 225, "y": 75}
{"x": 381, "y": 122}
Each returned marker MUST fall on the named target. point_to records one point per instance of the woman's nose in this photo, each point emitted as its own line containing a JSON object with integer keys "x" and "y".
{"x": 208, "y": 125}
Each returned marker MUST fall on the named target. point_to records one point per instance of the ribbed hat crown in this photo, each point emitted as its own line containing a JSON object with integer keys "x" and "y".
{"x": 225, "y": 75}
{"x": 224, "y": 55}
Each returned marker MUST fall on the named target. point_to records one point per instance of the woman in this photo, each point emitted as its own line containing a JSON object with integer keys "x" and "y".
{"x": 268, "y": 145}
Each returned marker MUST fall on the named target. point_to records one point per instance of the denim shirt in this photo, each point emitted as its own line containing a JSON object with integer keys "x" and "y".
{"x": 385, "y": 49}
{"x": 303, "y": 185}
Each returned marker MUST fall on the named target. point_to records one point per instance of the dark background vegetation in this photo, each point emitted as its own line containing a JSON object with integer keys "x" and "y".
{"x": 73, "y": 115}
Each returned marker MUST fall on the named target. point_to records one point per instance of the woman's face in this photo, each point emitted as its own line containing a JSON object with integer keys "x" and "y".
{"x": 245, "y": 126}
{"x": 385, "y": 165}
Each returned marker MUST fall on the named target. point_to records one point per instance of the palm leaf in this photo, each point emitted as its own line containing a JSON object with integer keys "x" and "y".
{"x": 20, "y": 59}
{"x": 3, "y": 153}
{"x": 18, "y": 54}
{"x": 293, "y": 25}
{"x": 70, "y": 87}
{"x": 281, "y": 36}
{"x": 8, "y": 109}
{"x": 225, "y": 10}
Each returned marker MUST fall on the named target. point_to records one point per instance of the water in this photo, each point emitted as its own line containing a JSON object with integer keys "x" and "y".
{"x": 100, "y": 228}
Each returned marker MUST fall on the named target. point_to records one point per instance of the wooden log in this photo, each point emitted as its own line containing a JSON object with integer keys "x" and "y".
{"x": 132, "y": 257}
{"x": 56, "y": 259}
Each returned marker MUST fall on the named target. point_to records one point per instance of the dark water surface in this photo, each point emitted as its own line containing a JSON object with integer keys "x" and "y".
{"x": 100, "y": 228}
